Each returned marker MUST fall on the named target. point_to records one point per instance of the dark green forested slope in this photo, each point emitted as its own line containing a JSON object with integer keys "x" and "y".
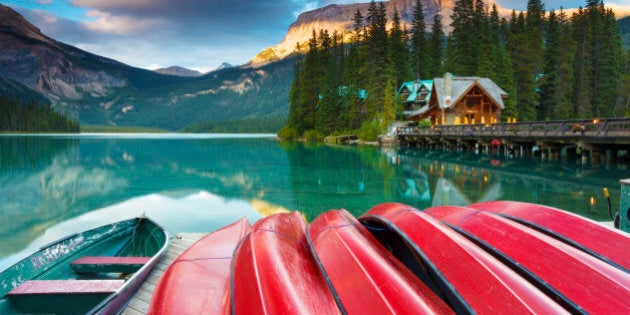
{"x": 552, "y": 65}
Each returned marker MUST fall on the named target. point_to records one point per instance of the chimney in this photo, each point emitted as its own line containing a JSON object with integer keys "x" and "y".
{"x": 447, "y": 88}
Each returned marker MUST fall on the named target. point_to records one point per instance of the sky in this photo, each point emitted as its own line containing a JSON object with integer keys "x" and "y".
{"x": 196, "y": 34}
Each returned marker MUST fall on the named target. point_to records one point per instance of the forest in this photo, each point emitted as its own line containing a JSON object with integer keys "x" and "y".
{"x": 27, "y": 116}
{"x": 553, "y": 65}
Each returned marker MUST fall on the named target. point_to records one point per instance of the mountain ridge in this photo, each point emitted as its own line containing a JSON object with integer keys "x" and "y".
{"x": 178, "y": 71}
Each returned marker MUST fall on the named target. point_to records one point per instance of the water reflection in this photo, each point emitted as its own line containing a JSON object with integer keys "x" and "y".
{"x": 464, "y": 178}
{"x": 193, "y": 182}
{"x": 182, "y": 211}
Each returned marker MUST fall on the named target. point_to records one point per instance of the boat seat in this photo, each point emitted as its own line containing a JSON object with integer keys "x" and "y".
{"x": 102, "y": 264}
{"x": 61, "y": 296}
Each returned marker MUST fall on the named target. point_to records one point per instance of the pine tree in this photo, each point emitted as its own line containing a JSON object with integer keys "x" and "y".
{"x": 419, "y": 53}
{"x": 378, "y": 58}
{"x": 524, "y": 70}
{"x": 399, "y": 52}
{"x": 549, "y": 98}
{"x": 435, "y": 49}
{"x": 564, "y": 70}
{"x": 461, "y": 52}
{"x": 609, "y": 63}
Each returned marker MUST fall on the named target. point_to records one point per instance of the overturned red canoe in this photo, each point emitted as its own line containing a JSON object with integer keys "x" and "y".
{"x": 605, "y": 243}
{"x": 470, "y": 280}
{"x": 366, "y": 278}
{"x": 273, "y": 271}
{"x": 198, "y": 281}
{"x": 558, "y": 269}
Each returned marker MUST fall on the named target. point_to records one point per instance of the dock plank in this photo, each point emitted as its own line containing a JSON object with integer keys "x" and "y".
{"x": 139, "y": 303}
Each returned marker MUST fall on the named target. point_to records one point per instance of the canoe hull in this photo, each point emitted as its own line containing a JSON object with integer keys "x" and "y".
{"x": 198, "y": 281}
{"x": 598, "y": 240}
{"x": 273, "y": 272}
{"x": 468, "y": 278}
{"x": 352, "y": 258}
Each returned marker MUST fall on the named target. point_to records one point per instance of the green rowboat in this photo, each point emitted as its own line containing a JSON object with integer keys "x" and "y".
{"x": 93, "y": 272}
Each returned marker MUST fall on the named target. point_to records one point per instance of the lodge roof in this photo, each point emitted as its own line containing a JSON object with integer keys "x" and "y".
{"x": 460, "y": 86}
{"x": 414, "y": 87}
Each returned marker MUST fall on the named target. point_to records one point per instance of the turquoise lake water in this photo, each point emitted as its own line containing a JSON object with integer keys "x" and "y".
{"x": 55, "y": 185}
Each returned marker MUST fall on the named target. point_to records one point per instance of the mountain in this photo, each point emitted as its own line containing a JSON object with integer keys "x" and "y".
{"x": 101, "y": 91}
{"x": 178, "y": 71}
{"x": 339, "y": 18}
{"x": 224, "y": 65}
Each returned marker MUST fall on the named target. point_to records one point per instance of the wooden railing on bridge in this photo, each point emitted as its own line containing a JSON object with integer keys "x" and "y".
{"x": 598, "y": 131}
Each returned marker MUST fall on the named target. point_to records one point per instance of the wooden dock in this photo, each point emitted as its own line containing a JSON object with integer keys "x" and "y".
{"x": 139, "y": 303}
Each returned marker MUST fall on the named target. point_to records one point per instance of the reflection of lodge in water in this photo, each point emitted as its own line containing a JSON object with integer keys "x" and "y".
{"x": 482, "y": 183}
{"x": 447, "y": 179}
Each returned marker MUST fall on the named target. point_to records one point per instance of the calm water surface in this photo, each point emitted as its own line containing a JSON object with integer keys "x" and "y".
{"x": 54, "y": 185}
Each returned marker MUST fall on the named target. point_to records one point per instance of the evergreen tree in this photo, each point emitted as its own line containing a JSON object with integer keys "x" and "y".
{"x": 565, "y": 108}
{"x": 624, "y": 87}
{"x": 378, "y": 58}
{"x": 549, "y": 98}
{"x": 399, "y": 52}
{"x": 435, "y": 49}
{"x": 461, "y": 52}
{"x": 582, "y": 66}
{"x": 524, "y": 70}
{"x": 608, "y": 64}
{"x": 420, "y": 60}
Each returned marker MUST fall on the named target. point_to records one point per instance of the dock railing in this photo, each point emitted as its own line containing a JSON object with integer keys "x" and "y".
{"x": 617, "y": 128}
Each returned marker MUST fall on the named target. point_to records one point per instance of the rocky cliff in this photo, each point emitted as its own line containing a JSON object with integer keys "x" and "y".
{"x": 47, "y": 66}
{"x": 339, "y": 18}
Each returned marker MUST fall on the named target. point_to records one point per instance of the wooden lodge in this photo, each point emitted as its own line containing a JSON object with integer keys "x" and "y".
{"x": 453, "y": 100}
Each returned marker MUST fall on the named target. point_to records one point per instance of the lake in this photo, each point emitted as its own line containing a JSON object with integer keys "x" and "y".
{"x": 55, "y": 185}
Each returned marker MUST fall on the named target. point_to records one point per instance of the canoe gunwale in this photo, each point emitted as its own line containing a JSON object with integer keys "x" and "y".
{"x": 322, "y": 270}
{"x": 562, "y": 238}
{"x": 531, "y": 277}
{"x": 447, "y": 290}
{"x": 121, "y": 297}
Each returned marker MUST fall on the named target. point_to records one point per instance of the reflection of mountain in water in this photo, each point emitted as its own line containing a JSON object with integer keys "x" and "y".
{"x": 73, "y": 176}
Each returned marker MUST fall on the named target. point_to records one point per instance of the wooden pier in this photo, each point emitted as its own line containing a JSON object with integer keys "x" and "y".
{"x": 588, "y": 140}
{"x": 139, "y": 303}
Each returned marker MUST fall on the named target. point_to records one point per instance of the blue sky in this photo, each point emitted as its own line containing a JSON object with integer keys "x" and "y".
{"x": 197, "y": 34}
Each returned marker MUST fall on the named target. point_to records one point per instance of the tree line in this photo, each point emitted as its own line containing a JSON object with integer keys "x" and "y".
{"x": 552, "y": 65}
{"x": 30, "y": 116}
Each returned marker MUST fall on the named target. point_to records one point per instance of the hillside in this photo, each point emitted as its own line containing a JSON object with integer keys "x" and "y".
{"x": 100, "y": 91}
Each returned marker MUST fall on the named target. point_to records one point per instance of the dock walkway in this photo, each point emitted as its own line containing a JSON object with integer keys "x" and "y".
{"x": 139, "y": 303}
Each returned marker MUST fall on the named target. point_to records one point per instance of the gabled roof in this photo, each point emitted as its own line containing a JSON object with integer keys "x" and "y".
{"x": 460, "y": 86}
{"x": 414, "y": 87}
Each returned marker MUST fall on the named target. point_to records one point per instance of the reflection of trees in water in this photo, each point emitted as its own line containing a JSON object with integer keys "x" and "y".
{"x": 28, "y": 152}
{"x": 324, "y": 177}
{"x": 474, "y": 178}
{"x": 45, "y": 188}
{"x": 29, "y": 194}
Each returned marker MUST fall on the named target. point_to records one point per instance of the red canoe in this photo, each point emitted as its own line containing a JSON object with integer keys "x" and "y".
{"x": 560, "y": 270}
{"x": 198, "y": 281}
{"x": 470, "y": 279}
{"x": 605, "y": 243}
{"x": 274, "y": 273}
{"x": 366, "y": 278}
